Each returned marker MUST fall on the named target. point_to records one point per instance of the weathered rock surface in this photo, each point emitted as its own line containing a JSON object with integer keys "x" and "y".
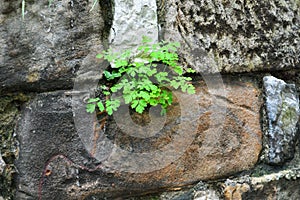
{"x": 201, "y": 191}
{"x": 282, "y": 189}
{"x": 45, "y": 51}
{"x": 283, "y": 185}
{"x": 55, "y": 161}
{"x": 132, "y": 20}
{"x": 281, "y": 117}
{"x": 235, "y": 35}
{"x": 65, "y": 155}
{"x": 2, "y": 165}
{"x": 9, "y": 110}
{"x": 2, "y": 168}
{"x": 46, "y": 130}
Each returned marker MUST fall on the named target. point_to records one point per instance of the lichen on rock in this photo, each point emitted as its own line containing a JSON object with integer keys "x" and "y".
{"x": 234, "y": 36}
{"x": 281, "y": 115}
{"x": 9, "y": 146}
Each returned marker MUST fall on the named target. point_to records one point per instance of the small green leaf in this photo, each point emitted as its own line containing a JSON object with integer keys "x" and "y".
{"x": 161, "y": 76}
{"x": 90, "y": 108}
{"x": 100, "y": 106}
{"x": 175, "y": 84}
{"x": 132, "y": 73}
{"x": 153, "y": 102}
{"x": 106, "y": 93}
{"x": 115, "y": 87}
{"x": 107, "y": 74}
{"x": 170, "y": 98}
{"x": 111, "y": 76}
{"x": 191, "y": 89}
{"x": 120, "y": 63}
{"x": 127, "y": 98}
{"x": 134, "y": 103}
{"x": 143, "y": 103}
{"x": 139, "y": 109}
{"x": 178, "y": 70}
{"x": 115, "y": 74}
{"x": 190, "y": 70}
{"x": 99, "y": 56}
{"x": 109, "y": 110}
{"x": 184, "y": 88}
{"x": 144, "y": 95}
{"x": 115, "y": 104}
{"x": 153, "y": 87}
{"x": 92, "y": 100}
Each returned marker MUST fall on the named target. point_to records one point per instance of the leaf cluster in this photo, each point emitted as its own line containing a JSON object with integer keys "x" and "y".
{"x": 144, "y": 78}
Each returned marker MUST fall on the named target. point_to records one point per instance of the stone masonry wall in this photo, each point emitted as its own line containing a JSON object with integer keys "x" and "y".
{"x": 237, "y": 138}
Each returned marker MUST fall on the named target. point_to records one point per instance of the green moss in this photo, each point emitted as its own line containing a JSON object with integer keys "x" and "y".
{"x": 289, "y": 114}
{"x": 8, "y": 114}
{"x": 263, "y": 169}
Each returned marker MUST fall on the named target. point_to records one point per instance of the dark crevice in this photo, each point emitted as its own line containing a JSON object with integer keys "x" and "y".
{"x": 107, "y": 12}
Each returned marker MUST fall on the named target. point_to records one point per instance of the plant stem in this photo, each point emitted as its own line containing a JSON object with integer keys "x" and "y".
{"x": 23, "y": 9}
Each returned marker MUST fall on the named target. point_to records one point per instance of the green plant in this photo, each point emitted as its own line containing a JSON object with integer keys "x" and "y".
{"x": 94, "y": 4}
{"x": 143, "y": 78}
{"x": 23, "y": 9}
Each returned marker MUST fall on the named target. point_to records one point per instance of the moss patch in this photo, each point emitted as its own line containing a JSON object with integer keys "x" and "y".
{"x": 9, "y": 110}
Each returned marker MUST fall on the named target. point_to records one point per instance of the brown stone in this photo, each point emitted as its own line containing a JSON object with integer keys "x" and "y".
{"x": 203, "y": 143}
{"x": 218, "y": 149}
{"x": 235, "y": 192}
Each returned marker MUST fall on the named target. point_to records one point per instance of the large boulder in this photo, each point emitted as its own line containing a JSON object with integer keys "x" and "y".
{"x": 63, "y": 154}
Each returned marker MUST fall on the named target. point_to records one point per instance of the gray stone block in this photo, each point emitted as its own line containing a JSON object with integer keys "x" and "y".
{"x": 281, "y": 115}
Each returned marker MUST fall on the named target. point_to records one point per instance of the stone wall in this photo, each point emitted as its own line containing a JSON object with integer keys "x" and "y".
{"x": 234, "y": 35}
{"x": 236, "y": 138}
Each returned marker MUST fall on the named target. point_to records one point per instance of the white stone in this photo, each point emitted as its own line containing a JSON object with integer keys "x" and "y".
{"x": 2, "y": 166}
{"x": 132, "y": 20}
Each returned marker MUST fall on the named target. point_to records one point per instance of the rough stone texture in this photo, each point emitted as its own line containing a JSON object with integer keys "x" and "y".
{"x": 56, "y": 45}
{"x": 234, "y": 35}
{"x": 132, "y": 20}
{"x": 280, "y": 120}
{"x": 235, "y": 191}
{"x": 9, "y": 110}
{"x": 45, "y": 51}
{"x": 55, "y": 163}
{"x": 2, "y": 165}
{"x": 46, "y": 130}
{"x": 281, "y": 190}
{"x": 201, "y": 191}
{"x": 282, "y": 185}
